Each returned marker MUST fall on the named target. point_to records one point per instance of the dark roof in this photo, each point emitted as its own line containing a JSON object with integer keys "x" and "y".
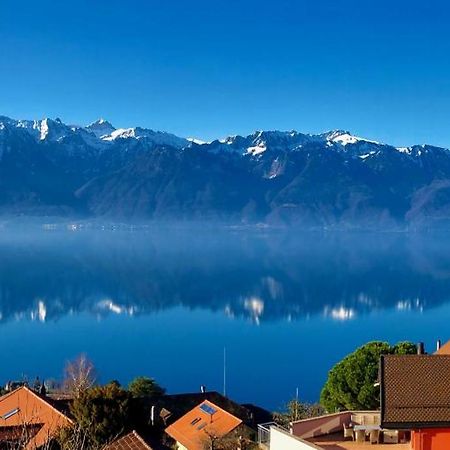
{"x": 180, "y": 404}
{"x": 260, "y": 415}
{"x": 62, "y": 405}
{"x": 131, "y": 441}
{"x": 415, "y": 391}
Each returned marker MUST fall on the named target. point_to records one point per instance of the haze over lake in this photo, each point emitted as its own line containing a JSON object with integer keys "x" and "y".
{"x": 165, "y": 301}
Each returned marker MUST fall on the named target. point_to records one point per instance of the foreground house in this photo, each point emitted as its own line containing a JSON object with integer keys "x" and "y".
{"x": 415, "y": 395}
{"x": 347, "y": 430}
{"x": 172, "y": 407}
{"x": 203, "y": 426}
{"x": 131, "y": 441}
{"x": 28, "y": 420}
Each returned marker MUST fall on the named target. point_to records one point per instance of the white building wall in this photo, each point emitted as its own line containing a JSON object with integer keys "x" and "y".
{"x": 282, "y": 440}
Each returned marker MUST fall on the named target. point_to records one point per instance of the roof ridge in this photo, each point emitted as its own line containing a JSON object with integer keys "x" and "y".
{"x": 42, "y": 400}
{"x": 218, "y": 407}
{"x": 138, "y": 436}
{"x": 8, "y": 394}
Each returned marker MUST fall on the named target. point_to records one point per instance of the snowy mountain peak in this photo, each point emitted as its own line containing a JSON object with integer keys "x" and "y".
{"x": 197, "y": 141}
{"x": 344, "y": 138}
{"x": 335, "y": 134}
{"x": 46, "y": 129}
{"x": 138, "y": 133}
{"x": 101, "y": 127}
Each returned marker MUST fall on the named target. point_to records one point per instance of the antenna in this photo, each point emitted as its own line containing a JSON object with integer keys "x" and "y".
{"x": 224, "y": 371}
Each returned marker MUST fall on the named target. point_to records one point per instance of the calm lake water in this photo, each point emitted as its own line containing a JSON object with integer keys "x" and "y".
{"x": 165, "y": 302}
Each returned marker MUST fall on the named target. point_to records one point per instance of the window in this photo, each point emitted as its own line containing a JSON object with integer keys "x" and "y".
{"x": 10, "y": 414}
{"x": 208, "y": 409}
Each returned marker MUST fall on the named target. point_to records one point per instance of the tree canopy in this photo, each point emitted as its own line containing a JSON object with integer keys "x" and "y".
{"x": 145, "y": 387}
{"x": 351, "y": 382}
{"x": 102, "y": 413}
{"x": 297, "y": 410}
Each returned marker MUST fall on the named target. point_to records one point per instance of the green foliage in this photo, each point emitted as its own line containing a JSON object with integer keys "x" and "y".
{"x": 102, "y": 413}
{"x": 145, "y": 387}
{"x": 404, "y": 348}
{"x": 351, "y": 382}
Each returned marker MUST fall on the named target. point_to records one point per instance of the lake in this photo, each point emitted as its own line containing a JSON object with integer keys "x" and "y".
{"x": 166, "y": 301}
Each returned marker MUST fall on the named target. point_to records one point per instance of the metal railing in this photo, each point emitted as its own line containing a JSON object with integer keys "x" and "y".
{"x": 264, "y": 432}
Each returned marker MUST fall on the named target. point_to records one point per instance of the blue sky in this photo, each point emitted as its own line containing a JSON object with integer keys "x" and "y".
{"x": 379, "y": 68}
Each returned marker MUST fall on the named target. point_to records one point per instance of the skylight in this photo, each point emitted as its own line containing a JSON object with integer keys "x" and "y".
{"x": 10, "y": 413}
{"x": 208, "y": 409}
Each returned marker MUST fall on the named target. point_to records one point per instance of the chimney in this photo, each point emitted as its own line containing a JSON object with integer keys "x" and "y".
{"x": 438, "y": 345}
{"x": 420, "y": 348}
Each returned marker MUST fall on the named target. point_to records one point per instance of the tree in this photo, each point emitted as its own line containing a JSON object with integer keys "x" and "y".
{"x": 297, "y": 410}
{"x": 101, "y": 413}
{"x": 236, "y": 439}
{"x": 351, "y": 383}
{"x": 145, "y": 387}
{"x": 79, "y": 375}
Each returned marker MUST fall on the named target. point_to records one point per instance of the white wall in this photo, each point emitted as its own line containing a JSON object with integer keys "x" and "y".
{"x": 282, "y": 440}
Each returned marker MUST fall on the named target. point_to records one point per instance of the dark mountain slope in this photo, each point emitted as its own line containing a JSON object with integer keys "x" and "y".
{"x": 332, "y": 179}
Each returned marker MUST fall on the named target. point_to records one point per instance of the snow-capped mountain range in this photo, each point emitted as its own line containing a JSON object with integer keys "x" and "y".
{"x": 333, "y": 179}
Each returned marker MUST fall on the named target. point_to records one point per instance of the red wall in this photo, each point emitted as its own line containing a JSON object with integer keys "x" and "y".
{"x": 431, "y": 439}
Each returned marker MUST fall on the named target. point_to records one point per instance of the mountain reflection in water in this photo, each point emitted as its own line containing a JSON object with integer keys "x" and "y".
{"x": 263, "y": 276}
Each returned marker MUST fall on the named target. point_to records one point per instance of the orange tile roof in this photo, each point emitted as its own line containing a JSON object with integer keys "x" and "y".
{"x": 131, "y": 441}
{"x": 444, "y": 350}
{"x": 192, "y": 430}
{"x": 24, "y": 407}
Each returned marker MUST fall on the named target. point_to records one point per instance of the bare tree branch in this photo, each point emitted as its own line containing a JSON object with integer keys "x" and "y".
{"x": 79, "y": 375}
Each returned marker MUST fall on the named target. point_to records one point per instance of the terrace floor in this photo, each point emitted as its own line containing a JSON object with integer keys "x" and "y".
{"x": 336, "y": 442}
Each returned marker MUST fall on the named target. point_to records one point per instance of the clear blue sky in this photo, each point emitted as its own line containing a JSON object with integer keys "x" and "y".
{"x": 379, "y": 68}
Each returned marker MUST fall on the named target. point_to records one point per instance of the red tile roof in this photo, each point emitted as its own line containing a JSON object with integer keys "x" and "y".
{"x": 23, "y": 406}
{"x": 131, "y": 441}
{"x": 194, "y": 428}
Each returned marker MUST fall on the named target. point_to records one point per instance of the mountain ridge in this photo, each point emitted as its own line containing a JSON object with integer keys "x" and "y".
{"x": 331, "y": 179}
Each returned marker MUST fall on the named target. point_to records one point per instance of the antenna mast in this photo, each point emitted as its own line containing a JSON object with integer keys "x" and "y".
{"x": 224, "y": 371}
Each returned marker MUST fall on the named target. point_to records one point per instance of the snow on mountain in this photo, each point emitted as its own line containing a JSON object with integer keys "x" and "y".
{"x": 102, "y": 133}
{"x": 101, "y": 128}
{"x": 95, "y": 135}
{"x": 344, "y": 138}
{"x": 257, "y": 150}
{"x": 258, "y": 142}
{"x": 39, "y": 129}
{"x": 197, "y": 141}
{"x": 156, "y": 137}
